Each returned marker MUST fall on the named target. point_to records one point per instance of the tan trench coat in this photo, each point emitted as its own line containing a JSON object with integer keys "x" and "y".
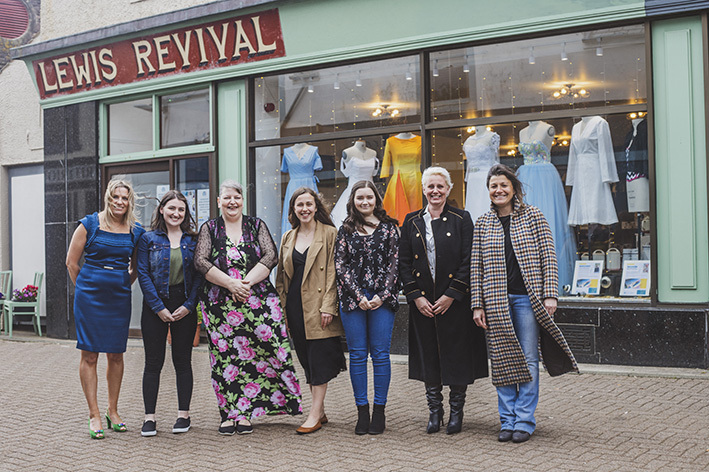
{"x": 319, "y": 288}
{"x": 534, "y": 248}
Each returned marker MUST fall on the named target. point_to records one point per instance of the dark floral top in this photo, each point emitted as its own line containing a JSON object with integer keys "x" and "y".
{"x": 368, "y": 263}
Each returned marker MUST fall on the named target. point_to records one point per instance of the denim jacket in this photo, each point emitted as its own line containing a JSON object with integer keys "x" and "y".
{"x": 154, "y": 269}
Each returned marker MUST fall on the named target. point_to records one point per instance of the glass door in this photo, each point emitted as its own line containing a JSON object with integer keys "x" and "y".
{"x": 150, "y": 182}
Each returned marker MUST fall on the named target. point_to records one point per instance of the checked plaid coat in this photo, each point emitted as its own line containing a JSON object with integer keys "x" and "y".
{"x": 534, "y": 248}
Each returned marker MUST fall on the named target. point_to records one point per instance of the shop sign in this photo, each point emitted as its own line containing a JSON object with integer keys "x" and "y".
{"x": 228, "y": 42}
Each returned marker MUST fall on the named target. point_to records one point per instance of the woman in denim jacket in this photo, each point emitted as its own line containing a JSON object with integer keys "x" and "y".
{"x": 170, "y": 285}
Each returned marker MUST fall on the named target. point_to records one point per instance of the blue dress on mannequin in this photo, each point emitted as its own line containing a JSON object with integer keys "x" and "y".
{"x": 301, "y": 164}
{"x": 544, "y": 190}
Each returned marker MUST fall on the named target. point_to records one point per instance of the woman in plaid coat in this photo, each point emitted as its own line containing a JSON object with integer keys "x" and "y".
{"x": 513, "y": 281}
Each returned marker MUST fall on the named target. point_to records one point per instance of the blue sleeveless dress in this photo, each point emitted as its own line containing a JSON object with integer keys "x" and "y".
{"x": 302, "y": 174}
{"x": 544, "y": 190}
{"x": 102, "y": 299}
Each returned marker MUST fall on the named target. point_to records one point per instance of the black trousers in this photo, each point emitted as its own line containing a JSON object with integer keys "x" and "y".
{"x": 154, "y": 340}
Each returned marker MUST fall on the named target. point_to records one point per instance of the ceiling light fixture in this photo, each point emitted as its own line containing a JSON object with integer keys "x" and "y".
{"x": 564, "y": 57}
{"x": 358, "y": 82}
{"x": 336, "y": 85}
{"x": 532, "y": 59}
{"x": 466, "y": 66}
{"x": 599, "y": 49}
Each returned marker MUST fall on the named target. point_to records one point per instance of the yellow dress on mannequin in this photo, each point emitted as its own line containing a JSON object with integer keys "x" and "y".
{"x": 402, "y": 162}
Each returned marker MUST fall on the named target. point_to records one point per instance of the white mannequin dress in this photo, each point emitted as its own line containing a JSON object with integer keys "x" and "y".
{"x": 590, "y": 171}
{"x": 355, "y": 169}
{"x": 481, "y": 153}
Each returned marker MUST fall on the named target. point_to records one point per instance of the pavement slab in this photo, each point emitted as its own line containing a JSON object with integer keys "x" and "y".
{"x": 629, "y": 420}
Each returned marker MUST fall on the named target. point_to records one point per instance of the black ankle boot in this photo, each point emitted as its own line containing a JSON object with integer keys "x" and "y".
{"x": 434, "y": 397}
{"x": 362, "y": 426}
{"x": 457, "y": 402}
{"x": 378, "y": 423}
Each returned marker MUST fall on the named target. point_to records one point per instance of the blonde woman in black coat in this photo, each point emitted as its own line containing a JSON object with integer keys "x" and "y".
{"x": 445, "y": 346}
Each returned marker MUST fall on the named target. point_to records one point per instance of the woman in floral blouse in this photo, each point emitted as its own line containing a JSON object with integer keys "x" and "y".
{"x": 252, "y": 369}
{"x": 367, "y": 265}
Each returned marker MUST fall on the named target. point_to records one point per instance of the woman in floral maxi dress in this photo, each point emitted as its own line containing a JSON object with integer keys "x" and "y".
{"x": 252, "y": 369}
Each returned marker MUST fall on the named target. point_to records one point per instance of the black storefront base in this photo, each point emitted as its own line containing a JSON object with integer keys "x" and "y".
{"x": 637, "y": 336}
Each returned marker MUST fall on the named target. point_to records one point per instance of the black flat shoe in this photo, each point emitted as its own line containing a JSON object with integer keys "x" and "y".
{"x": 149, "y": 429}
{"x": 227, "y": 428}
{"x": 182, "y": 425}
{"x": 244, "y": 428}
{"x": 505, "y": 435}
{"x": 520, "y": 436}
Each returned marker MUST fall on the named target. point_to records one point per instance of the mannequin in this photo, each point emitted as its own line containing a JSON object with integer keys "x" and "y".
{"x": 590, "y": 172}
{"x": 636, "y": 180}
{"x": 300, "y": 161}
{"x": 402, "y": 162}
{"x": 543, "y": 189}
{"x": 481, "y": 152}
{"x": 358, "y": 163}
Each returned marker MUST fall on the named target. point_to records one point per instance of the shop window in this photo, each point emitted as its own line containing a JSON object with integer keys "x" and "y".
{"x": 369, "y": 95}
{"x": 159, "y": 125}
{"x": 130, "y": 126}
{"x": 560, "y": 73}
{"x": 192, "y": 179}
{"x": 184, "y": 119}
{"x": 568, "y": 112}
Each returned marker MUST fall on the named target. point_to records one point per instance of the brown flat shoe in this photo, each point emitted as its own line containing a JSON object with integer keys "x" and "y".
{"x": 323, "y": 420}
{"x": 312, "y": 429}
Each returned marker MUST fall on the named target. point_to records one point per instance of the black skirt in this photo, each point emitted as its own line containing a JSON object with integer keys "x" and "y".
{"x": 322, "y": 359}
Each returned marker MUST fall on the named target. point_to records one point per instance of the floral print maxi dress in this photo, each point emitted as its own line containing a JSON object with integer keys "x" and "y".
{"x": 252, "y": 368}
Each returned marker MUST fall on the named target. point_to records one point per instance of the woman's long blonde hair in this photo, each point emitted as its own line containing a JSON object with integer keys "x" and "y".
{"x": 107, "y": 212}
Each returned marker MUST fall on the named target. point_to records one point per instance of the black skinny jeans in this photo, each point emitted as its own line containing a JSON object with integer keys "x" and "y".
{"x": 154, "y": 339}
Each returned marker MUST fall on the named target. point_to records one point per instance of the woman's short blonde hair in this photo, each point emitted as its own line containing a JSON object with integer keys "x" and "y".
{"x": 440, "y": 171}
{"x": 129, "y": 217}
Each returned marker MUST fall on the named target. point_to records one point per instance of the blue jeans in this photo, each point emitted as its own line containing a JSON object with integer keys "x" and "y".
{"x": 517, "y": 403}
{"x": 369, "y": 332}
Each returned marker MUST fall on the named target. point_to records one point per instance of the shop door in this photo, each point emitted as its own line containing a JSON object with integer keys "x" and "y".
{"x": 189, "y": 175}
{"x": 149, "y": 181}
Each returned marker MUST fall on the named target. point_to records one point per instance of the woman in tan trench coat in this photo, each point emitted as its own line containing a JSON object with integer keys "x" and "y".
{"x": 513, "y": 285}
{"x": 306, "y": 285}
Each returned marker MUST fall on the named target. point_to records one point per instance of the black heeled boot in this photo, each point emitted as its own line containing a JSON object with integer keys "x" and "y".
{"x": 362, "y": 426}
{"x": 457, "y": 402}
{"x": 434, "y": 397}
{"x": 378, "y": 420}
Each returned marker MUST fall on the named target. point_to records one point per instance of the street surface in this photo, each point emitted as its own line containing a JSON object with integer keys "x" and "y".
{"x": 587, "y": 422}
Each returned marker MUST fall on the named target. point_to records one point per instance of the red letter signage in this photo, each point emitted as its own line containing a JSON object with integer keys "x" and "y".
{"x": 223, "y": 43}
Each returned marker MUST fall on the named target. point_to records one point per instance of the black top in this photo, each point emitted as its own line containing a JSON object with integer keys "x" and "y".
{"x": 515, "y": 283}
{"x": 294, "y": 302}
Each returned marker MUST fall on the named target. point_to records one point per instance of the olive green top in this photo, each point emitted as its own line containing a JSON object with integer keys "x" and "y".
{"x": 177, "y": 276}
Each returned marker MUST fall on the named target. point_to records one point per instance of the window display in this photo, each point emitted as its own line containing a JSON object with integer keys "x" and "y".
{"x": 568, "y": 112}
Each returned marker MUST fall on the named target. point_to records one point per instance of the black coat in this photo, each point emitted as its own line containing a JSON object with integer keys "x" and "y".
{"x": 448, "y": 349}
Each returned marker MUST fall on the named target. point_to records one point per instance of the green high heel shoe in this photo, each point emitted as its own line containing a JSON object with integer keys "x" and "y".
{"x": 95, "y": 434}
{"x": 117, "y": 427}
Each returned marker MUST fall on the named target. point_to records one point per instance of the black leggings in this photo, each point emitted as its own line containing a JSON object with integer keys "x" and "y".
{"x": 154, "y": 338}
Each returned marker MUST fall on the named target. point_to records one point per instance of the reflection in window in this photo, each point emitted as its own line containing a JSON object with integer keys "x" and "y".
{"x": 192, "y": 179}
{"x": 130, "y": 126}
{"x": 340, "y": 98}
{"x": 565, "y": 72}
{"x": 184, "y": 119}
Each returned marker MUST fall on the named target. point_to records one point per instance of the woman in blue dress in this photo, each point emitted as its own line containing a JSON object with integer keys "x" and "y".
{"x": 102, "y": 299}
